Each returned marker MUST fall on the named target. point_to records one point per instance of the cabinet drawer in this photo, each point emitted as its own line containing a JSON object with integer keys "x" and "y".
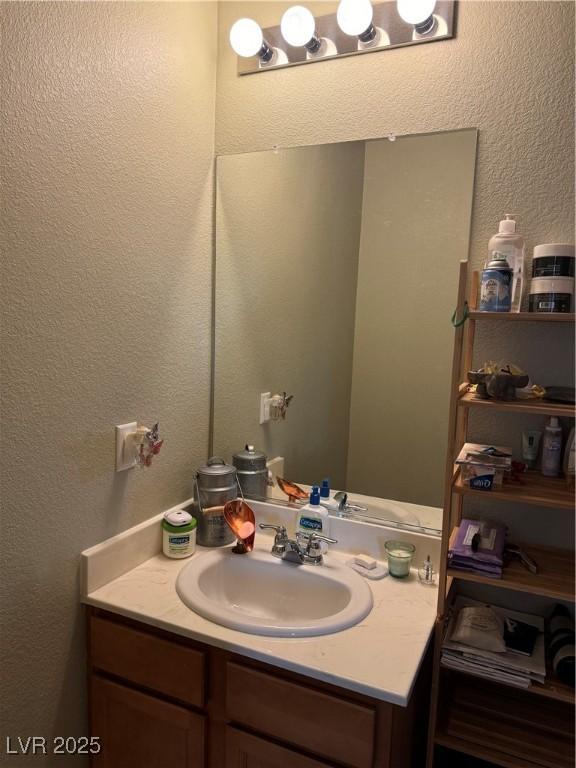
{"x": 318, "y": 722}
{"x": 139, "y": 731}
{"x": 164, "y": 666}
{"x": 243, "y": 750}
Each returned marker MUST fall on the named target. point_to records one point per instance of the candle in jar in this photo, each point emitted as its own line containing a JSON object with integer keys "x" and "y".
{"x": 399, "y": 558}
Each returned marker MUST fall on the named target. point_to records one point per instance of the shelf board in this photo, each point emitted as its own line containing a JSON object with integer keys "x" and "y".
{"x": 485, "y": 752}
{"x": 555, "y": 577}
{"x": 493, "y": 755}
{"x": 551, "y": 689}
{"x": 506, "y": 727}
{"x": 554, "y": 689}
{"x": 542, "y": 407}
{"x": 536, "y": 489}
{"x": 539, "y": 317}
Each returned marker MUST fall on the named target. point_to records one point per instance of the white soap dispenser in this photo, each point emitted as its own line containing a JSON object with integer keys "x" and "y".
{"x": 509, "y": 243}
{"x": 313, "y": 518}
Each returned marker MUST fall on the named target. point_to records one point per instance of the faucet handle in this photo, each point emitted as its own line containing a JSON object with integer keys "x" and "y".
{"x": 280, "y": 540}
{"x": 312, "y": 542}
{"x": 313, "y": 539}
{"x": 280, "y": 530}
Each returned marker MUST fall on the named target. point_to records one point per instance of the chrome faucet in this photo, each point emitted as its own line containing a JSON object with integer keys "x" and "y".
{"x": 306, "y": 549}
{"x": 341, "y": 506}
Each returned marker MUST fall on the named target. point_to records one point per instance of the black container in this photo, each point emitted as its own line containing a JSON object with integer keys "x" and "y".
{"x": 553, "y": 260}
{"x": 551, "y": 294}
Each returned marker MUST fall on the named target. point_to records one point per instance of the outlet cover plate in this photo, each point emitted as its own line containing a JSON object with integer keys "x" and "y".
{"x": 124, "y": 461}
{"x": 265, "y": 407}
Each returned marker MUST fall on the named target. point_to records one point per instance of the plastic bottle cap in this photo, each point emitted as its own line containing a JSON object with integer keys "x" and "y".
{"x": 507, "y": 225}
{"x": 553, "y": 249}
{"x": 499, "y": 261}
{"x": 178, "y": 517}
{"x": 325, "y": 490}
{"x": 315, "y": 496}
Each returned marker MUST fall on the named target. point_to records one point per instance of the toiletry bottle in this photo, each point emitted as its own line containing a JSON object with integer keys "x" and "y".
{"x": 530, "y": 447}
{"x": 313, "y": 518}
{"x": 178, "y": 534}
{"x": 496, "y": 285}
{"x": 561, "y": 638}
{"x": 511, "y": 245}
{"x": 552, "y": 448}
{"x": 569, "y": 465}
{"x": 328, "y": 501}
{"x": 325, "y": 491}
{"x": 426, "y": 573}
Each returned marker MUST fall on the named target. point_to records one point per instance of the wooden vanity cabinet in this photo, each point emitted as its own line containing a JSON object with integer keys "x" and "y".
{"x": 159, "y": 700}
{"x": 244, "y": 750}
{"x": 138, "y": 730}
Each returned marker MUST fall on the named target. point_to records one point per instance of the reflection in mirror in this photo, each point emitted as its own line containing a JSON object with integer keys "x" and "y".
{"x": 336, "y": 276}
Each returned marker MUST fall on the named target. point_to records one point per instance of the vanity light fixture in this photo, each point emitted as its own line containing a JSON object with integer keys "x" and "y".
{"x": 247, "y": 40}
{"x": 356, "y": 18}
{"x": 420, "y": 13}
{"x": 357, "y": 27}
{"x": 298, "y": 28}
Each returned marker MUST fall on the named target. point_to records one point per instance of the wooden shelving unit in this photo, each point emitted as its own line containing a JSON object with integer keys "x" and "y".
{"x": 536, "y": 406}
{"x": 553, "y": 689}
{"x": 555, "y": 577}
{"x": 530, "y": 317}
{"x": 534, "y": 489}
{"x": 504, "y": 725}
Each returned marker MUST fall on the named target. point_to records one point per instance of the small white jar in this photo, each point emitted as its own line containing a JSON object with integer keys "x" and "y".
{"x": 178, "y": 534}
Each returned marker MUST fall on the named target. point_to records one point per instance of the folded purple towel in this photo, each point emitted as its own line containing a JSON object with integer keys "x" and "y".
{"x": 479, "y": 547}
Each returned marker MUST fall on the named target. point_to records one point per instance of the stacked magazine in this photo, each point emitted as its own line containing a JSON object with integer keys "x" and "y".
{"x": 523, "y": 662}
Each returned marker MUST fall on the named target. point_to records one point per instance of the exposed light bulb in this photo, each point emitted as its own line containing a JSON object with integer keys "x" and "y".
{"x": 298, "y": 26}
{"x": 246, "y": 37}
{"x": 415, "y": 12}
{"x": 354, "y": 16}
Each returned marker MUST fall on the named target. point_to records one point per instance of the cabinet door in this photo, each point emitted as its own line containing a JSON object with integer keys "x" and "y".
{"x": 311, "y": 720}
{"x": 246, "y": 751}
{"x": 158, "y": 663}
{"x": 140, "y": 731}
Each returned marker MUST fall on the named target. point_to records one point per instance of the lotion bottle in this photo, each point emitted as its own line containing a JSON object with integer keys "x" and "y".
{"x": 552, "y": 448}
{"x": 325, "y": 492}
{"x": 313, "y": 517}
{"x": 509, "y": 243}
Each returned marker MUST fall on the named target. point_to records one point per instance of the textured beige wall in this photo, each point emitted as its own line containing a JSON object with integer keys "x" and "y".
{"x": 417, "y": 206}
{"x": 288, "y": 232}
{"x": 108, "y": 121}
{"x": 508, "y": 72}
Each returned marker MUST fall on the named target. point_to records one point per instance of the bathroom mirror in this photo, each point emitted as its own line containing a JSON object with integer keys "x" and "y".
{"x": 335, "y": 280}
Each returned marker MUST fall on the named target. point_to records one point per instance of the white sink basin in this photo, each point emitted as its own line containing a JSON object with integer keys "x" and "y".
{"x": 263, "y": 595}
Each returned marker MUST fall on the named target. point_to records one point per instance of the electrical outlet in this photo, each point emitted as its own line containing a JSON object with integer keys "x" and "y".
{"x": 124, "y": 451}
{"x": 265, "y": 398}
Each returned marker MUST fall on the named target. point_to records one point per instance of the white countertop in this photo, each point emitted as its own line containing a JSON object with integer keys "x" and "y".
{"x": 379, "y": 657}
